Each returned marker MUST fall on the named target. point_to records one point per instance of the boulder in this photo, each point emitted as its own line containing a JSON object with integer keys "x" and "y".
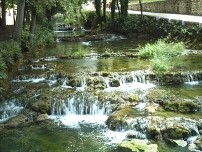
{"x": 42, "y": 117}
{"x": 136, "y": 145}
{"x": 17, "y": 121}
{"x": 42, "y": 106}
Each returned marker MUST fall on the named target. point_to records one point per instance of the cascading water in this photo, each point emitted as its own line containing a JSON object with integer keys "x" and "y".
{"x": 192, "y": 79}
{"x": 83, "y": 94}
{"x": 9, "y": 109}
{"x": 80, "y": 104}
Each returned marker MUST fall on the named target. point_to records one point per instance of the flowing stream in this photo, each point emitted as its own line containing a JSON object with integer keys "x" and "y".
{"x": 79, "y": 92}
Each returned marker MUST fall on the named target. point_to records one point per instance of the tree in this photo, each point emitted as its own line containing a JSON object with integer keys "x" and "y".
{"x": 104, "y": 9}
{"x": 113, "y": 9}
{"x": 3, "y": 19}
{"x": 141, "y": 9}
{"x": 124, "y": 8}
{"x": 19, "y": 21}
{"x": 98, "y": 9}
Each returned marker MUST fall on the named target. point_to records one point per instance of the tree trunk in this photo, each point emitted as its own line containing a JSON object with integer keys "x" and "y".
{"x": 98, "y": 9}
{"x": 27, "y": 13}
{"x": 19, "y": 21}
{"x": 104, "y": 9}
{"x": 14, "y": 12}
{"x": 141, "y": 9}
{"x": 117, "y": 5}
{"x": 124, "y": 8}
{"x": 32, "y": 27}
{"x": 3, "y": 7}
{"x": 113, "y": 7}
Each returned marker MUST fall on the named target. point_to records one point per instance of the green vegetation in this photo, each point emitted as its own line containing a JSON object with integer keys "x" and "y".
{"x": 10, "y": 52}
{"x": 75, "y": 53}
{"x": 160, "y": 53}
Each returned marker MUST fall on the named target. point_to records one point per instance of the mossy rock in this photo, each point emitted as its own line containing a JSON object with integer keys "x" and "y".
{"x": 171, "y": 106}
{"x": 74, "y": 82}
{"x": 154, "y": 134}
{"x": 42, "y": 106}
{"x": 115, "y": 122}
{"x": 133, "y": 98}
{"x": 176, "y": 132}
{"x": 118, "y": 120}
{"x": 137, "y": 145}
{"x": 115, "y": 83}
{"x": 198, "y": 143}
{"x": 181, "y": 106}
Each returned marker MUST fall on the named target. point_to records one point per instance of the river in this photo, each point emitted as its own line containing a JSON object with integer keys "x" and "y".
{"x": 77, "y": 115}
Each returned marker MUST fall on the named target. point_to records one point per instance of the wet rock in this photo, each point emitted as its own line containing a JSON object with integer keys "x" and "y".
{"x": 181, "y": 106}
{"x": 199, "y": 124}
{"x": 169, "y": 102}
{"x": 74, "y": 82}
{"x": 133, "y": 98}
{"x": 115, "y": 83}
{"x": 154, "y": 127}
{"x": 42, "y": 117}
{"x": 137, "y": 145}
{"x": 115, "y": 122}
{"x": 43, "y": 106}
{"x": 16, "y": 121}
{"x": 198, "y": 143}
{"x": 1, "y": 127}
{"x": 152, "y": 108}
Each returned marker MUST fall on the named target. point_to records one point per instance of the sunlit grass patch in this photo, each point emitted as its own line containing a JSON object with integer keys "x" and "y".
{"x": 160, "y": 53}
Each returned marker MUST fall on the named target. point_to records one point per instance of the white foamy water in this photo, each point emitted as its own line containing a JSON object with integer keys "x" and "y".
{"x": 192, "y": 83}
{"x": 75, "y": 121}
{"x": 9, "y": 109}
{"x": 32, "y": 80}
{"x": 134, "y": 86}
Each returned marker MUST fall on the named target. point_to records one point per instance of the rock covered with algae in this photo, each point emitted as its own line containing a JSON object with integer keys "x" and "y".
{"x": 137, "y": 145}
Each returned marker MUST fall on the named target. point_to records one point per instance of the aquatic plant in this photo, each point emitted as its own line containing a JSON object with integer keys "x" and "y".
{"x": 160, "y": 53}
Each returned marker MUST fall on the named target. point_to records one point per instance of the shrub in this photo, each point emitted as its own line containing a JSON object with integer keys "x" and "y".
{"x": 43, "y": 38}
{"x": 160, "y": 53}
{"x": 10, "y": 52}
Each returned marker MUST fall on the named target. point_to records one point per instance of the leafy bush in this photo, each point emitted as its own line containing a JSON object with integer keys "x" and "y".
{"x": 43, "y": 38}
{"x": 161, "y": 48}
{"x": 160, "y": 53}
{"x": 10, "y": 52}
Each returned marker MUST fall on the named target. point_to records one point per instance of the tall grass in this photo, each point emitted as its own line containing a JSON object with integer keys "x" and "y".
{"x": 160, "y": 53}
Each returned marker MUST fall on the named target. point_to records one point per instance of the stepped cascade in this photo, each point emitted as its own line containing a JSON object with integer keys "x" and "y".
{"x": 113, "y": 98}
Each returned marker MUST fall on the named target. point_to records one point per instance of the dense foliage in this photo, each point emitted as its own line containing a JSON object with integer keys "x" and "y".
{"x": 10, "y": 52}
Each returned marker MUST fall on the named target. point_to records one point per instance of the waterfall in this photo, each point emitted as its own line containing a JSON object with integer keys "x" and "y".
{"x": 82, "y": 83}
{"x": 135, "y": 80}
{"x": 26, "y": 78}
{"x": 9, "y": 109}
{"x": 192, "y": 79}
{"x": 80, "y": 104}
{"x": 78, "y": 109}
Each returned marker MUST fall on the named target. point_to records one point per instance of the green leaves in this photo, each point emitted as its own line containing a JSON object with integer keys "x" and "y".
{"x": 160, "y": 53}
{"x": 9, "y": 52}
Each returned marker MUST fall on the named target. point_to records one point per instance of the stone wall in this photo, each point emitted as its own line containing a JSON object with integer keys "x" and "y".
{"x": 193, "y": 7}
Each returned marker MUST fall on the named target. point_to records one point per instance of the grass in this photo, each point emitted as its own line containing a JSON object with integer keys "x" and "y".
{"x": 161, "y": 53}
